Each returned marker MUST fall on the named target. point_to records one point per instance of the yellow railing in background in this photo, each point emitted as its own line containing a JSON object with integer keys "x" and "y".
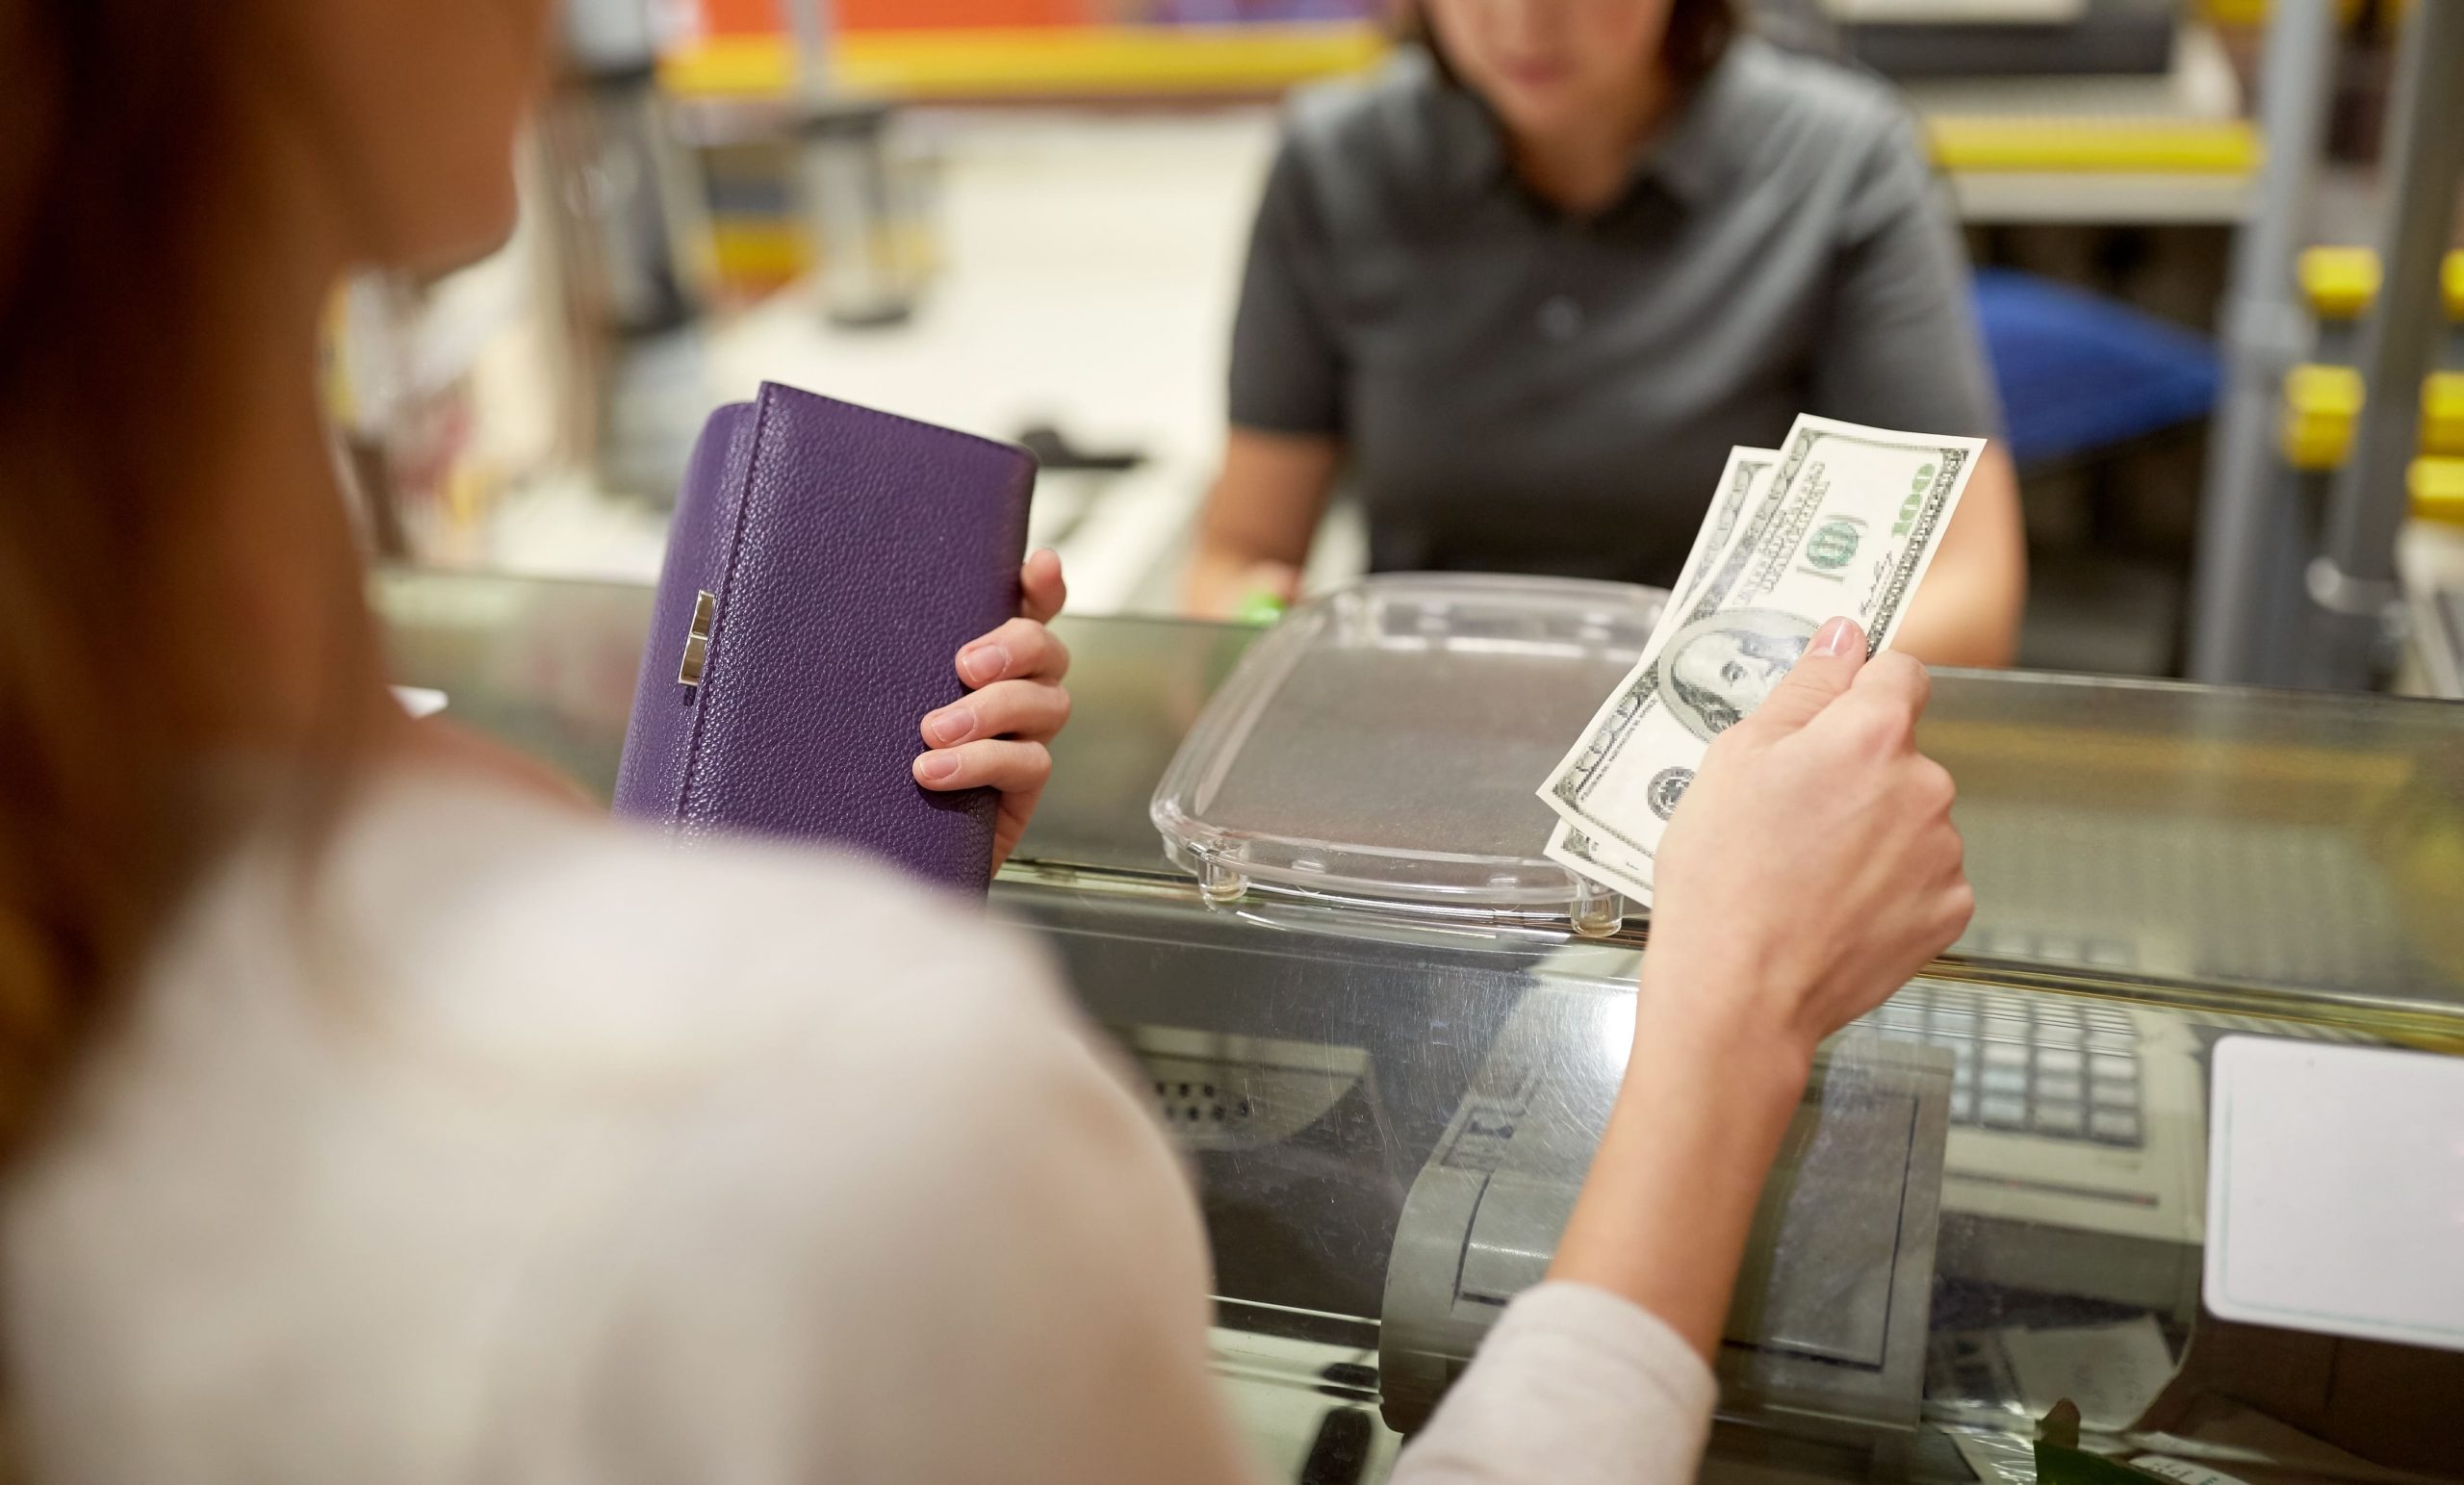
{"x": 2254, "y": 14}
{"x": 1134, "y": 59}
{"x": 759, "y": 253}
{"x": 1075, "y": 61}
{"x": 2322, "y": 405}
{"x": 2339, "y": 282}
{"x": 2437, "y": 489}
{"x": 1976, "y": 142}
{"x": 1261, "y": 60}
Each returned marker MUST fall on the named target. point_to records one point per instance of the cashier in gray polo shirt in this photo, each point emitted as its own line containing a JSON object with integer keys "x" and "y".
{"x": 1524, "y": 287}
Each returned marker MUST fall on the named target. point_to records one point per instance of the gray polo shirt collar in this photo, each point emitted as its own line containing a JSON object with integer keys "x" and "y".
{"x": 1690, "y": 159}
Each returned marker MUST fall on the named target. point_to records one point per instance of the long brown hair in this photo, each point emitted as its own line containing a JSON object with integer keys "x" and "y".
{"x": 119, "y": 128}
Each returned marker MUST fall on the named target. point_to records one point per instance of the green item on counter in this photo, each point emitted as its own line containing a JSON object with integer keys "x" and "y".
{"x": 1261, "y": 608}
{"x": 2060, "y": 1464}
{"x": 2061, "y": 1461}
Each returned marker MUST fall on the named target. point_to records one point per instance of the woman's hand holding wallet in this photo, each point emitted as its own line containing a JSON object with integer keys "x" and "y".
{"x": 1811, "y": 871}
{"x": 998, "y": 736}
{"x": 826, "y": 563}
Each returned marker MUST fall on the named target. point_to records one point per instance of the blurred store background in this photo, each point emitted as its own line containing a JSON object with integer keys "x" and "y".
{"x": 1026, "y": 219}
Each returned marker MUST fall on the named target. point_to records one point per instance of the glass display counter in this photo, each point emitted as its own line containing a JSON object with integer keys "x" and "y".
{"x": 1994, "y": 1198}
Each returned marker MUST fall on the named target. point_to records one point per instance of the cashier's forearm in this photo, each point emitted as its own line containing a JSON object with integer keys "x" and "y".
{"x": 1967, "y": 611}
{"x": 1222, "y": 576}
{"x": 1663, "y": 1215}
{"x": 1255, "y": 532}
{"x": 1967, "y": 616}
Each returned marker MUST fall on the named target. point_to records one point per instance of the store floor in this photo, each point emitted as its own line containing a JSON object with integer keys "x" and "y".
{"x": 1091, "y": 263}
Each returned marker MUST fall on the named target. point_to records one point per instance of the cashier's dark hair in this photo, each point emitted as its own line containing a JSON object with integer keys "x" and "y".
{"x": 1699, "y": 34}
{"x": 121, "y": 133}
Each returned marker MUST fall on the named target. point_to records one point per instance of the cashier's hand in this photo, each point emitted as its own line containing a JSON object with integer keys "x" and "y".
{"x": 995, "y": 739}
{"x": 1812, "y": 867}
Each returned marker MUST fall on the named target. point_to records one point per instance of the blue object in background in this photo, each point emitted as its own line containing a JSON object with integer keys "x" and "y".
{"x": 2080, "y": 374}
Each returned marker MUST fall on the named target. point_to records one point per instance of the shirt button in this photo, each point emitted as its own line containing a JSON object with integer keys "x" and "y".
{"x": 1560, "y": 317}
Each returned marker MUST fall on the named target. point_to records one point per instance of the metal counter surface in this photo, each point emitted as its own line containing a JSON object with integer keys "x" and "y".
{"x": 2298, "y": 853}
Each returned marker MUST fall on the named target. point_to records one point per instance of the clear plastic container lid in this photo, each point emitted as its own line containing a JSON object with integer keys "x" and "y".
{"x": 1382, "y": 745}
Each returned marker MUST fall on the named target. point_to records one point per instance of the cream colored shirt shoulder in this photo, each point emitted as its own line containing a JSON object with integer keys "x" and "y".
{"x": 527, "y": 1148}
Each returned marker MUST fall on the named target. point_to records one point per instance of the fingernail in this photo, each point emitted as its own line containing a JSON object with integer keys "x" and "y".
{"x": 1831, "y": 638}
{"x": 950, "y": 725}
{"x": 983, "y": 663}
{"x": 933, "y": 767}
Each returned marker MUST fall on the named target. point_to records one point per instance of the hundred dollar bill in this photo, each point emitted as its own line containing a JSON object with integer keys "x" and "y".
{"x": 1745, "y": 476}
{"x": 1601, "y": 861}
{"x": 1849, "y": 523}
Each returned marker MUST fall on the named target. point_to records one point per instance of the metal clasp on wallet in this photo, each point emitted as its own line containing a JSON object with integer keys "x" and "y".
{"x": 697, "y": 639}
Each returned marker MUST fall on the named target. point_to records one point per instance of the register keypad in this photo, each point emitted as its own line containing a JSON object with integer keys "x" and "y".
{"x": 2042, "y": 1067}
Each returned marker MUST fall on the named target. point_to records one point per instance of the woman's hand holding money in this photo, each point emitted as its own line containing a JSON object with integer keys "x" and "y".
{"x": 1811, "y": 870}
{"x": 1812, "y": 867}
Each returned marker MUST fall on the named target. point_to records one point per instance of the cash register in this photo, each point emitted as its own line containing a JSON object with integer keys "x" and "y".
{"x": 1830, "y": 1319}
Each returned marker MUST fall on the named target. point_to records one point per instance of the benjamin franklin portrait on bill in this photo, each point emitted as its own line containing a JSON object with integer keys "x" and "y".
{"x": 1719, "y": 668}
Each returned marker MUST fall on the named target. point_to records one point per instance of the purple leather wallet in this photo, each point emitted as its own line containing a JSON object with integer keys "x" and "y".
{"x": 825, "y": 564}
